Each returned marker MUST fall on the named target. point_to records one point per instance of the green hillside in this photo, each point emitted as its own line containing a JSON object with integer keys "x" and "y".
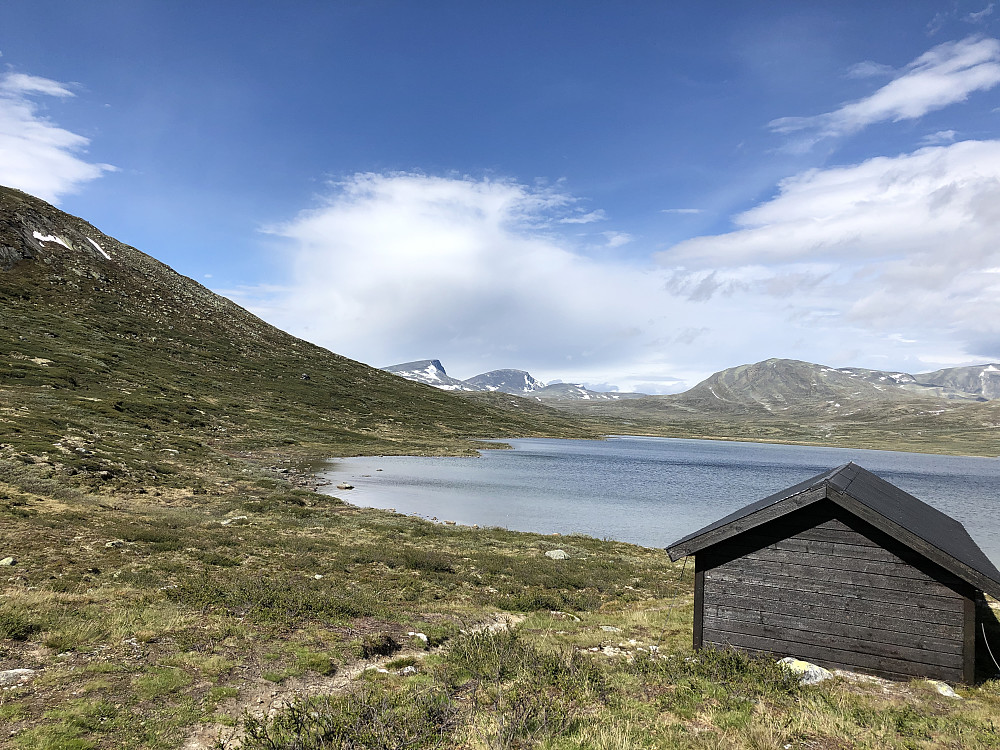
{"x": 119, "y": 367}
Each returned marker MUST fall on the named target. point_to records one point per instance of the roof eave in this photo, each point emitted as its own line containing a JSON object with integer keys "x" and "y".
{"x": 693, "y": 544}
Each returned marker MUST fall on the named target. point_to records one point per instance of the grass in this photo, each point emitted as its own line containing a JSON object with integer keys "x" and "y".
{"x": 117, "y": 601}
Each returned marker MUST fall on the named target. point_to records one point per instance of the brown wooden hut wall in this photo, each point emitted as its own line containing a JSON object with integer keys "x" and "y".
{"x": 824, "y": 586}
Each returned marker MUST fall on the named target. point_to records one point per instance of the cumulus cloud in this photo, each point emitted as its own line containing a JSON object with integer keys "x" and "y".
{"x": 945, "y": 75}
{"x": 406, "y": 266}
{"x": 36, "y": 155}
{"x": 903, "y": 245}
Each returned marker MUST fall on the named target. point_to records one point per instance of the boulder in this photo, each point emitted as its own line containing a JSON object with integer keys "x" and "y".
{"x": 944, "y": 689}
{"x": 11, "y": 677}
{"x": 809, "y": 674}
{"x": 557, "y": 554}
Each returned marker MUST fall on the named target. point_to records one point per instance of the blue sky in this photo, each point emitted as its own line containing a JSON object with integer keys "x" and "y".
{"x": 628, "y": 195}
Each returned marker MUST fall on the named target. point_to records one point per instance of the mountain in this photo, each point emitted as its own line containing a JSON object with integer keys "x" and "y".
{"x": 979, "y": 380}
{"x": 505, "y": 381}
{"x": 514, "y": 382}
{"x": 785, "y": 400}
{"x": 429, "y": 372}
{"x": 576, "y": 392}
{"x": 114, "y": 366}
{"x": 783, "y": 384}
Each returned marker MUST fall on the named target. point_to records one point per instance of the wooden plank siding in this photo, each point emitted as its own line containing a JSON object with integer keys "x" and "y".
{"x": 825, "y": 586}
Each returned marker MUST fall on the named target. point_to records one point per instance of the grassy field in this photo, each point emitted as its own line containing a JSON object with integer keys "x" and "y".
{"x": 250, "y": 612}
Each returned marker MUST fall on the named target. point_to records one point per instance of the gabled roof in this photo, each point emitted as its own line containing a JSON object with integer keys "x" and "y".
{"x": 899, "y": 514}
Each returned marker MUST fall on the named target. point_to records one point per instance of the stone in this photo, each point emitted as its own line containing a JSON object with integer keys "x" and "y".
{"x": 234, "y": 520}
{"x": 114, "y": 543}
{"x": 8, "y": 561}
{"x": 945, "y": 689}
{"x": 610, "y": 629}
{"x": 557, "y": 554}
{"x": 418, "y": 636}
{"x": 12, "y": 677}
{"x": 345, "y": 486}
{"x": 809, "y": 674}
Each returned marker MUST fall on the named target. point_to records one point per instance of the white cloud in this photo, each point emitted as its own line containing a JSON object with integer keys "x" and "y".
{"x": 617, "y": 239}
{"x": 407, "y": 266}
{"x": 941, "y": 137}
{"x": 680, "y": 211}
{"x": 979, "y": 16}
{"x": 36, "y": 155}
{"x": 21, "y": 83}
{"x": 945, "y": 75}
{"x": 903, "y": 247}
{"x": 869, "y": 69}
{"x": 587, "y": 218}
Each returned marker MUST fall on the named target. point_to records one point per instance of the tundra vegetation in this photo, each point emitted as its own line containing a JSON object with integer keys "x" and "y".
{"x": 243, "y": 611}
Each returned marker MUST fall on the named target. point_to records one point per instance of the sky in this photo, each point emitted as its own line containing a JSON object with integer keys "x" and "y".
{"x": 631, "y": 196}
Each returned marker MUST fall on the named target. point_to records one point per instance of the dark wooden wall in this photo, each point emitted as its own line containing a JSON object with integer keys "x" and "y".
{"x": 826, "y": 587}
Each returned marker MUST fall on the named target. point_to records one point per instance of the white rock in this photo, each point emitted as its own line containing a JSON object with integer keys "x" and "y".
{"x": 15, "y": 677}
{"x": 610, "y": 629}
{"x": 809, "y": 674}
{"x": 234, "y": 520}
{"x": 557, "y": 554}
{"x": 418, "y": 636}
{"x": 945, "y": 689}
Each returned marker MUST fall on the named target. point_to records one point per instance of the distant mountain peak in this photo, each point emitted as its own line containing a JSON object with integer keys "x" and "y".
{"x": 510, "y": 381}
{"x": 428, "y": 372}
{"x": 516, "y": 382}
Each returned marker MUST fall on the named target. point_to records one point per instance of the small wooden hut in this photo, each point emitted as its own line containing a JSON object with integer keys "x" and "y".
{"x": 844, "y": 570}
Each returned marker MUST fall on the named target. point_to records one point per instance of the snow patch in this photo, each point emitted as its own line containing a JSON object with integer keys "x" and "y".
{"x": 50, "y": 238}
{"x": 99, "y": 248}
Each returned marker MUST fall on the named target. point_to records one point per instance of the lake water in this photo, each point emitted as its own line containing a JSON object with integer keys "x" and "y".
{"x": 648, "y": 491}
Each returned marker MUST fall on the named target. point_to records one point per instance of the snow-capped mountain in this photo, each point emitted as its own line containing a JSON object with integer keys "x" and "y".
{"x": 430, "y": 372}
{"x": 517, "y": 382}
{"x": 514, "y": 382}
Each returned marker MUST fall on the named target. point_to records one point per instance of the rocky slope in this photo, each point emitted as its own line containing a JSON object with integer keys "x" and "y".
{"x": 980, "y": 380}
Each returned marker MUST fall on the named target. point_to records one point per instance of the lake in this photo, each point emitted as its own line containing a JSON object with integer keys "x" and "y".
{"x": 648, "y": 491}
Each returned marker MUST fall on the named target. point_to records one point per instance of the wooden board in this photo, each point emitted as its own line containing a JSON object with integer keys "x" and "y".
{"x": 796, "y": 630}
{"x": 833, "y": 657}
{"x": 764, "y": 571}
{"x": 888, "y": 629}
{"x": 817, "y": 592}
